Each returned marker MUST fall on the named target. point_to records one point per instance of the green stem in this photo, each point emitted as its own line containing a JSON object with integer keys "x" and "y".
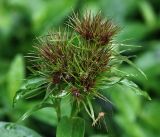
{"x": 58, "y": 108}
{"x": 75, "y": 109}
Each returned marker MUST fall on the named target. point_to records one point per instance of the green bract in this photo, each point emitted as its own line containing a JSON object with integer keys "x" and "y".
{"x": 79, "y": 64}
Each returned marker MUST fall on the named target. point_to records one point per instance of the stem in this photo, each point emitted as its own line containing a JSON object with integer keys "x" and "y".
{"x": 58, "y": 108}
{"x": 75, "y": 109}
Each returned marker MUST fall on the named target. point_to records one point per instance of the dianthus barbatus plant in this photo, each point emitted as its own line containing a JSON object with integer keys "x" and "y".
{"x": 77, "y": 63}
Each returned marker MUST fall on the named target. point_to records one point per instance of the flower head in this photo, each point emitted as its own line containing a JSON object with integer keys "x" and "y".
{"x": 94, "y": 28}
{"x": 78, "y": 64}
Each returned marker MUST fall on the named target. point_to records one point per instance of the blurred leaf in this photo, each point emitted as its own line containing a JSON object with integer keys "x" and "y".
{"x": 45, "y": 14}
{"x": 73, "y": 127}
{"x": 149, "y": 58}
{"x": 129, "y": 33}
{"x": 13, "y": 130}
{"x": 46, "y": 115}
{"x": 15, "y": 76}
{"x": 118, "y": 9}
{"x": 131, "y": 127}
{"x": 49, "y": 13}
{"x": 4, "y": 65}
{"x": 5, "y": 24}
{"x": 129, "y": 107}
{"x": 150, "y": 114}
{"x": 126, "y": 101}
{"x": 148, "y": 13}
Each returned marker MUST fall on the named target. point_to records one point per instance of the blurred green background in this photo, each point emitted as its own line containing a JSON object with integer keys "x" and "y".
{"x": 21, "y": 21}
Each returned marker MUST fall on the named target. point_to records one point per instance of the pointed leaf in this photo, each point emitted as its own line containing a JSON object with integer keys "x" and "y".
{"x": 136, "y": 89}
{"x": 123, "y": 58}
{"x": 30, "y": 88}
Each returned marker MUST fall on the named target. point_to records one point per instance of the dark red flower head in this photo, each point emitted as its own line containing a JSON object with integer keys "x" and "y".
{"x": 94, "y": 28}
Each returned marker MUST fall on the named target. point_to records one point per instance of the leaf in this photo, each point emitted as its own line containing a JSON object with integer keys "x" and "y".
{"x": 35, "y": 108}
{"x": 46, "y": 115}
{"x": 64, "y": 128}
{"x": 149, "y": 62}
{"x": 123, "y": 58}
{"x": 150, "y": 114}
{"x": 124, "y": 100}
{"x": 71, "y": 127}
{"x": 130, "y": 34}
{"x": 129, "y": 107}
{"x": 129, "y": 126}
{"x": 4, "y": 65}
{"x": 49, "y": 13}
{"x": 120, "y": 10}
{"x": 135, "y": 88}
{"x": 148, "y": 13}
{"x": 15, "y": 76}
{"x": 14, "y": 130}
{"x": 30, "y": 88}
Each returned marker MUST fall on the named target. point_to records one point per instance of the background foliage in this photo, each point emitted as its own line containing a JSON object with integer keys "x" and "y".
{"x": 132, "y": 116}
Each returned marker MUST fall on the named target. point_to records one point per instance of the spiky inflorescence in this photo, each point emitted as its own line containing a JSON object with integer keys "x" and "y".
{"x": 75, "y": 61}
{"x": 77, "y": 64}
{"x": 94, "y": 28}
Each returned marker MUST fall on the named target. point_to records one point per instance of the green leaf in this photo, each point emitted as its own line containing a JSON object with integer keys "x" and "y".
{"x": 120, "y": 10}
{"x": 125, "y": 59}
{"x": 46, "y": 115}
{"x": 14, "y": 130}
{"x": 35, "y": 108}
{"x": 125, "y": 100}
{"x": 148, "y": 62}
{"x": 71, "y": 127}
{"x": 15, "y": 75}
{"x": 135, "y": 88}
{"x": 30, "y": 88}
{"x": 148, "y": 13}
{"x": 128, "y": 107}
{"x": 64, "y": 128}
{"x": 49, "y": 13}
{"x": 150, "y": 114}
{"x": 130, "y": 33}
{"x": 4, "y": 65}
{"x": 129, "y": 126}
